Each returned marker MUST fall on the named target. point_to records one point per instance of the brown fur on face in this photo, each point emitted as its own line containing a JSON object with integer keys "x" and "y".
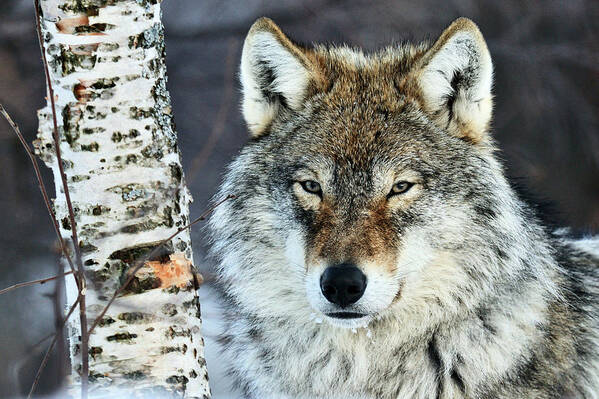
{"x": 368, "y": 240}
{"x": 352, "y": 124}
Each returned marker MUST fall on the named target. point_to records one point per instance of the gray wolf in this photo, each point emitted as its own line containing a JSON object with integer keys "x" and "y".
{"x": 375, "y": 248}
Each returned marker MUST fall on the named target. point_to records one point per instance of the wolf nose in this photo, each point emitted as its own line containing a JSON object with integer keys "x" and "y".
{"x": 343, "y": 284}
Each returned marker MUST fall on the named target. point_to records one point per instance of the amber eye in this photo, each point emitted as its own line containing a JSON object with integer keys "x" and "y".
{"x": 312, "y": 187}
{"x": 400, "y": 187}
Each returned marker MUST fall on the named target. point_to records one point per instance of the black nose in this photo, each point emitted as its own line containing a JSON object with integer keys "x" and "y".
{"x": 343, "y": 284}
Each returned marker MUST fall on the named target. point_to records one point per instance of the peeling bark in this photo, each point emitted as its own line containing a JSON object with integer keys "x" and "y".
{"x": 119, "y": 148}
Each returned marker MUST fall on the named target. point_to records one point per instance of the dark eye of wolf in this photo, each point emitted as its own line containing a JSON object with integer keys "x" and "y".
{"x": 311, "y": 186}
{"x": 400, "y": 187}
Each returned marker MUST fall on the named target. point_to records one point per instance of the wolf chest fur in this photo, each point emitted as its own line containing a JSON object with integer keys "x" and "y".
{"x": 374, "y": 247}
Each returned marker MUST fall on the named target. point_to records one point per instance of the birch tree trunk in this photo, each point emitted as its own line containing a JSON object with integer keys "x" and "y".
{"x": 106, "y": 62}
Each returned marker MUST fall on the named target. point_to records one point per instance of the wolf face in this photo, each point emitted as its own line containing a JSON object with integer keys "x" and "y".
{"x": 369, "y": 195}
{"x": 369, "y": 203}
{"x": 364, "y": 176}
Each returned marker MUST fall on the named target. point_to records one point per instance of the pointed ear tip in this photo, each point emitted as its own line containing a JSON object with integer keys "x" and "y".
{"x": 264, "y": 24}
{"x": 261, "y": 25}
{"x": 465, "y": 24}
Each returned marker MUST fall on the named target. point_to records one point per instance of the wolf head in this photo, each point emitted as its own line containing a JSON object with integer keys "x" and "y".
{"x": 368, "y": 187}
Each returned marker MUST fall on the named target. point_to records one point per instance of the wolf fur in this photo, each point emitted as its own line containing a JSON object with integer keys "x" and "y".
{"x": 468, "y": 294}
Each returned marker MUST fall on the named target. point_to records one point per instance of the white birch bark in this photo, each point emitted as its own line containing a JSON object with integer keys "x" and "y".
{"x": 119, "y": 149}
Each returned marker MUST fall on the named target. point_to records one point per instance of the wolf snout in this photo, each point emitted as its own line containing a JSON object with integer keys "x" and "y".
{"x": 343, "y": 284}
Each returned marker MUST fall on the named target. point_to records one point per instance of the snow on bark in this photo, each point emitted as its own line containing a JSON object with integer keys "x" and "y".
{"x": 119, "y": 149}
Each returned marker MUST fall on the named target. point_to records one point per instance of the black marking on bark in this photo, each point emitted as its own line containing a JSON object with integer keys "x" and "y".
{"x": 135, "y": 375}
{"x": 94, "y": 130}
{"x": 152, "y": 151}
{"x": 169, "y": 309}
{"x": 106, "y": 321}
{"x": 137, "y": 286}
{"x": 170, "y": 349}
{"x": 66, "y": 224}
{"x": 131, "y": 254}
{"x": 194, "y": 304}
{"x": 86, "y": 247}
{"x": 176, "y": 171}
{"x": 134, "y": 317}
{"x": 168, "y": 216}
{"x": 131, "y": 158}
{"x": 91, "y": 147}
{"x": 71, "y": 62}
{"x": 172, "y": 332}
{"x": 95, "y": 351}
{"x": 124, "y": 336}
{"x": 139, "y": 113}
{"x": 139, "y": 227}
{"x": 177, "y": 379}
{"x": 93, "y": 376}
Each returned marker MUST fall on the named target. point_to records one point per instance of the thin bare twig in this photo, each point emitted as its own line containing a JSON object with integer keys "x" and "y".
{"x": 139, "y": 263}
{"x": 41, "y": 185}
{"x": 41, "y": 341}
{"x": 33, "y": 282}
{"x": 56, "y": 137}
{"x": 81, "y": 280}
{"x": 58, "y": 302}
{"x": 49, "y": 350}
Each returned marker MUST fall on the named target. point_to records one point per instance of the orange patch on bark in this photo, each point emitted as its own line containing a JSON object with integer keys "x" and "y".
{"x": 82, "y": 94}
{"x": 68, "y": 25}
{"x": 177, "y": 271}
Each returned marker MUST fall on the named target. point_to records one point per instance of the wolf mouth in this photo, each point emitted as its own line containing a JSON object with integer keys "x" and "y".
{"x": 346, "y": 315}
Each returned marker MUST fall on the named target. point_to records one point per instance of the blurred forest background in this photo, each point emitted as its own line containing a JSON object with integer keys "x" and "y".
{"x": 546, "y": 118}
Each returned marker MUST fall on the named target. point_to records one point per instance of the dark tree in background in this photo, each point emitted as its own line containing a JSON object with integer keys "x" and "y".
{"x": 546, "y": 116}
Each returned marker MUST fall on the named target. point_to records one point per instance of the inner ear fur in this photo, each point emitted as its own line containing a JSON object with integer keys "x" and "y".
{"x": 455, "y": 78}
{"x": 275, "y": 74}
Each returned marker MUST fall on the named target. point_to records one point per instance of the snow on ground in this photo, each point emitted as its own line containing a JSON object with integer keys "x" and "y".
{"x": 220, "y": 383}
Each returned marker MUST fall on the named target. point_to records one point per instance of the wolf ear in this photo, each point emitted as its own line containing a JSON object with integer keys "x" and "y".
{"x": 275, "y": 73}
{"x": 456, "y": 78}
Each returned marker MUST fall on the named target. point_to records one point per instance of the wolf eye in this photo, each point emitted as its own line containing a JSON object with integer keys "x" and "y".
{"x": 311, "y": 186}
{"x": 400, "y": 187}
